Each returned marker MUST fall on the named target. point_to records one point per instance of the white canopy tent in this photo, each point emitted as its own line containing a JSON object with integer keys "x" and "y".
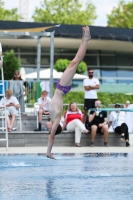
{"x": 45, "y": 74}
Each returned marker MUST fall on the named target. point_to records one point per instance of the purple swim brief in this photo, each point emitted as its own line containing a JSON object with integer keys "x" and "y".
{"x": 64, "y": 89}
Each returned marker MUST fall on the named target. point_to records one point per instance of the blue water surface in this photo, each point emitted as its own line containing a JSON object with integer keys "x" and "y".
{"x": 69, "y": 177}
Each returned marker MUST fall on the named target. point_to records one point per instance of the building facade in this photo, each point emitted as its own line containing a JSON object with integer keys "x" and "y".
{"x": 109, "y": 53}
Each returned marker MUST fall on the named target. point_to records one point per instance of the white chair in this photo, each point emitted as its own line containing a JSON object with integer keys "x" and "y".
{"x": 129, "y": 119}
{"x": 36, "y": 110}
{"x": 18, "y": 117}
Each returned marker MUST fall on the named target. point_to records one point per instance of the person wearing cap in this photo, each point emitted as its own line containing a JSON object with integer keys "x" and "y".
{"x": 127, "y": 104}
{"x": 118, "y": 121}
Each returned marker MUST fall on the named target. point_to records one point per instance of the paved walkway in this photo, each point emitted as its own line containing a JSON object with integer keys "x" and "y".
{"x": 35, "y": 150}
{"x": 100, "y": 149}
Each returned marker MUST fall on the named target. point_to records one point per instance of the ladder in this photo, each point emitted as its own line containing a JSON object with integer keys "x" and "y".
{"x": 3, "y": 109}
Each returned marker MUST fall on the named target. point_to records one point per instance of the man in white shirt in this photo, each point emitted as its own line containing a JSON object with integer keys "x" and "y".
{"x": 44, "y": 103}
{"x": 117, "y": 119}
{"x": 0, "y": 55}
{"x": 11, "y": 104}
{"x": 91, "y": 85}
{"x": 0, "y": 50}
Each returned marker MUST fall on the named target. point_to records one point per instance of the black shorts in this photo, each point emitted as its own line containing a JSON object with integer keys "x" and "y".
{"x": 89, "y": 103}
{"x": 98, "y": 128}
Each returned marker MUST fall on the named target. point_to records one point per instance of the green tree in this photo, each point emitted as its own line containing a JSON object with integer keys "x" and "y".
{"x": 10, "y": 64}
{"x": 11, "y": 15}
{"x": 65, "y": 12}
{"x": 121, "y": 16}
{"x": 62, "y": 64}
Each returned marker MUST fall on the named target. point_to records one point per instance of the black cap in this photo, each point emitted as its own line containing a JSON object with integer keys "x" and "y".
{"x": 118, "y": 104}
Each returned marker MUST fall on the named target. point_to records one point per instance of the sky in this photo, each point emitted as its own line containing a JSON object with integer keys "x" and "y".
{"x": 103, "y": 7}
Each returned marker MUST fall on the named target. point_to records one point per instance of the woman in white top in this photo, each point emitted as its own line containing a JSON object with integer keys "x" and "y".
{"x": 117, "y": 119}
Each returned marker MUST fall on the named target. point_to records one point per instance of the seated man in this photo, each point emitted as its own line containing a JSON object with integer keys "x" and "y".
{"x": 98, "y": 122}
{"x": 11, "y": 104}
{"x": 117, "y": 119}
{"x": 44, "y": 102}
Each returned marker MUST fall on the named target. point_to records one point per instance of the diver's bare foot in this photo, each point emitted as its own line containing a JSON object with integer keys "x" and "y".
{"x": 50, "y": 156}
{"x": 86, "y": 33}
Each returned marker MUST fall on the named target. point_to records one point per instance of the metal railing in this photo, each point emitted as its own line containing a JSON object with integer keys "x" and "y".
{"x": 35, "y": 92}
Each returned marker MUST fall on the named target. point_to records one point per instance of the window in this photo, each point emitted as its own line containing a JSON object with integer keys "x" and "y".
{"x": 107, "y": 60}
{"x": 124, "y": 59}
{"x": 27, "y": 59}
{"x": 28, "y": 49}
{"x": 126, "y": 76}
{"x": 109, "y": 76}
{"x": 90, "y": 60}
{"x": 6, "y": 48}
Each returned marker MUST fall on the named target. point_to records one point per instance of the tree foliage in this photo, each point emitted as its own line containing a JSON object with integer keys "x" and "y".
{"x": 10, "y": 64}
{"x": 62, "y": 64}
{"x": 105, "y": 98}
{"x": 121, "y": 16}
{"x": 11, "y": 15}
{"x": 65, "y": 12}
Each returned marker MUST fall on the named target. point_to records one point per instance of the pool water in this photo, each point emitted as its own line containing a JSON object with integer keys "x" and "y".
{"x": 94, "y": 176}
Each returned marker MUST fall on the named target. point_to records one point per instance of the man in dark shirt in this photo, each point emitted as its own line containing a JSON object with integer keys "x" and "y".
{"x": 98, "y": 122}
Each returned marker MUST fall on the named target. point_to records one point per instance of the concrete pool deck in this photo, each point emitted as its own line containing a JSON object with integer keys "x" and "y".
{"x": 42, "y": 150}
{"x": 67, "y": 149}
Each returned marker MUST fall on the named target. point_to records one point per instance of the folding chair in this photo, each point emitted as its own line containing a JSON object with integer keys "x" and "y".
{"x": 36, "y": 110}
{"x": 18, "y": 117}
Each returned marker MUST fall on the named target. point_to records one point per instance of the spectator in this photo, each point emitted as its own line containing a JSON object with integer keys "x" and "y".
{"x": 91, "y": 85}
{"x": 73, "y": 122}
{"x": 44, "y": 102}
{"x": 98, "y": 121}
{"x": 117, "y": 119}
{"x": 129, "y": 119}
{"x": 127, "y": 104}
{"x": 0, "y": 49}
{"x": 11, "y": 104}
{"x": 63, "y": 86}
{"x": 16, "y": 85}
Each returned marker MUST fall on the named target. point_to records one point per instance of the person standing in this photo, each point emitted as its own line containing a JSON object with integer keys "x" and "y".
{"x": 91, "y": 85}
{"x": 16, "y": 85}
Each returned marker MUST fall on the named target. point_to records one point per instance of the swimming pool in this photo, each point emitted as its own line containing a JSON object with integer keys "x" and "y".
{"x": 94, "y": 176}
